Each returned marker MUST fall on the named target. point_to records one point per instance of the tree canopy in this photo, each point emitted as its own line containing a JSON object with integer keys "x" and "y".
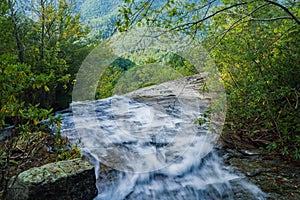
{"x": 256, "y": 49}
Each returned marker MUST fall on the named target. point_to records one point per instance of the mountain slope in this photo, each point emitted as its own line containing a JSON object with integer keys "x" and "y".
{"x": 99, "y": 15}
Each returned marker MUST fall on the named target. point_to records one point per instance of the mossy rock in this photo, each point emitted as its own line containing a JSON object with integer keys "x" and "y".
{"x": 70, "y": 179}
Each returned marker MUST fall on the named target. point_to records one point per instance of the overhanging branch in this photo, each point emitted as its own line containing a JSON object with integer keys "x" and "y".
{"x": 270, "y": 19}
{"x": 285, "y": 9}
{"x": 190, "y": 24}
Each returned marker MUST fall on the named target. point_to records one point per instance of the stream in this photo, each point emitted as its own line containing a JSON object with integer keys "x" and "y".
{"x": 154, "y": 148}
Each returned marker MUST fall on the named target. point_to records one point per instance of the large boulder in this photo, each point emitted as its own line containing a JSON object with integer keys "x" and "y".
{"x": 70, "y": 179}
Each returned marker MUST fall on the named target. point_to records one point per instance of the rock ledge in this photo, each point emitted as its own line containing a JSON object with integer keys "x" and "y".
{"x": 70, "y": 179}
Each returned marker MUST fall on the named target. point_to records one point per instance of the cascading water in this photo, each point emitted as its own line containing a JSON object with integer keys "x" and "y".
{"x": 153, "y": 148}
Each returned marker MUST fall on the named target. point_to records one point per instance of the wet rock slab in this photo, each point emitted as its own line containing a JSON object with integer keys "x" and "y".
{"x": 278, "y": 177}
{"x": 71, "y": 179}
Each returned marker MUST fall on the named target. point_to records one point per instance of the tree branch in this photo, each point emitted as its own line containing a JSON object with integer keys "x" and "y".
{"x": 285, "y": 9}
{"x": 236, "y": 23}
{"x": 271, "y": 19}
{"x": 190, "y": 24}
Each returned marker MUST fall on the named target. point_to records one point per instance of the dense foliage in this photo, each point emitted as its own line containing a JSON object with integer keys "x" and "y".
{"x": 44, "y": 44}
{"x": 261, "y": 74}
{"x": 141, "y": 69}
{"x": 259, "y": 63}
{"x": 38, "y": 44}
{"x": 256, "y": 49}
{"x": 109, "y": 78}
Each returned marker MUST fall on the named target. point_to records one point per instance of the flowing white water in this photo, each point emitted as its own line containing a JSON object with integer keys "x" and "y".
{"x": 155, "y": 149}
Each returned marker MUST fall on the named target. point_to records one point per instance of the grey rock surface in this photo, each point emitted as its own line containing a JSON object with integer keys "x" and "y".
{"x": 70, "y": 179}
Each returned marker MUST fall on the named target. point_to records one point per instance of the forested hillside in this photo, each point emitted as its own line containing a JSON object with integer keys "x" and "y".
{"x": 99, "y": 15}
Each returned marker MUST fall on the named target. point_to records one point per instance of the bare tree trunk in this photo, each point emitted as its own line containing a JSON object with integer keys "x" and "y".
{"x": 43, "y": 29}
{"x": 16, "y": 31}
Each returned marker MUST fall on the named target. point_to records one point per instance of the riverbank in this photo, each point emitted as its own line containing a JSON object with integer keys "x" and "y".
{"x": 20, "y": 154}
{"x": 276, "y": 175}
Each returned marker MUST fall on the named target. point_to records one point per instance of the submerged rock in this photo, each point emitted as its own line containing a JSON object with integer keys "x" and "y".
{"x": 70, "y": 179}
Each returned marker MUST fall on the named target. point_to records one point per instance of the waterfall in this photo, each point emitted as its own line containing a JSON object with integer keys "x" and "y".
{"x": 146, "y": 145}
